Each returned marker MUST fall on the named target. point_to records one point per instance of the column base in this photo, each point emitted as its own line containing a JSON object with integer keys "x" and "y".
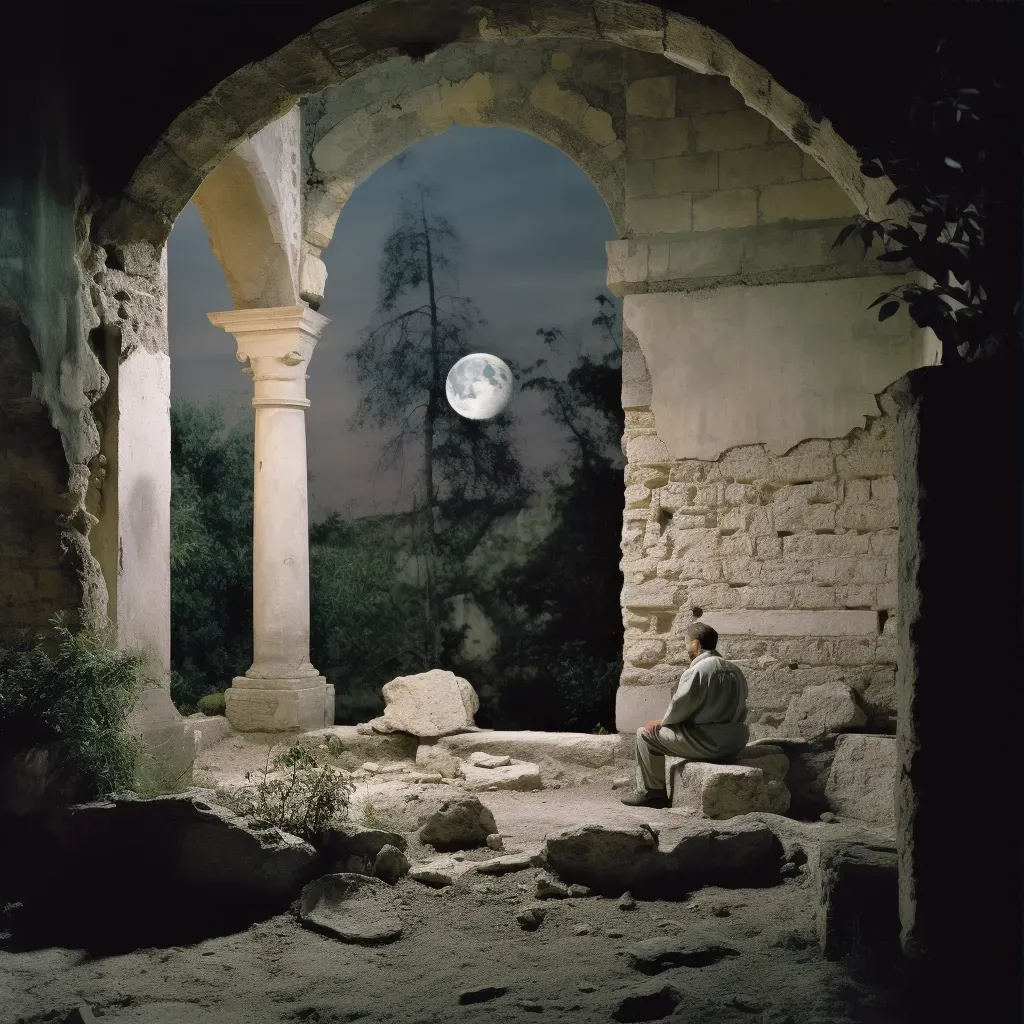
{"x": 280, "y": 705}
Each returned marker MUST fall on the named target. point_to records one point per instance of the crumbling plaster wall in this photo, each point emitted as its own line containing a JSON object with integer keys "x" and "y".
{"x": 759, "y": 483}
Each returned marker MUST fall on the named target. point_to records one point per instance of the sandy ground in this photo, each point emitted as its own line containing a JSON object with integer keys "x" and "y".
{"x": 575, "y": 967}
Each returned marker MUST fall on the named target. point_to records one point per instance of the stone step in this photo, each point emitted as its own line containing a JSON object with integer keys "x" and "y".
{"x": 580, "y": 749}
{"x": 755, "y": 782}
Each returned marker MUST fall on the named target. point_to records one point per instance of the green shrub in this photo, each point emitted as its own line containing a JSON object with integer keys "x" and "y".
{"x": 213, "y": 704}
{"x": 296, "y": 793}
{"x": 75, "y": 690}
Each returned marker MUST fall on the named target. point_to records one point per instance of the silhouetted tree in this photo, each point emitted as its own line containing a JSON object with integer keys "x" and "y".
{"x": 402, "y": 363}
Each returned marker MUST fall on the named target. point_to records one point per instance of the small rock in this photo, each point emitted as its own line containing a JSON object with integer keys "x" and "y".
{"x": 391, "y": 769}
{"x": 622, "y": 782}
{"x": 587, "y": 986}
{"x": 530, "y": 917}
{"x": 518, "y": 777}
{"x": 430, "y": 778}
{"x": 495, "y": 842}
{"x": 531, "y": 1007}
{"x": 365, "y": 729}
{"x": 612, "y": 934}
{"x": 581, "y": 929}
{"x": 745, "y": 1003}
{"x": 481, "y": 760}
{"x": 626, "y": 902}
{"x": 370, "y": 767}
{"x": 350, "y": 907}
{"x": 390, "y": 864}
{"x": 549, "y": 889}
{"x": 504, "y": 865}
{"x": 789, "y": 870}
{"x": 481, "y": 995}
{"x": 828, "y": 816}
{"x": 430, "y": 877}
{"x": 579, "y": 890}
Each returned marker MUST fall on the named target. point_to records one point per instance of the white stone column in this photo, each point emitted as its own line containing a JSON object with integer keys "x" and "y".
{"x": 282, "y": 691}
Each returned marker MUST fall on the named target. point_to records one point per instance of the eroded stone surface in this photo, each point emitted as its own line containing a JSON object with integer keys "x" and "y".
{"x": 726, "y": 790}
{"x": 862, "y": 780}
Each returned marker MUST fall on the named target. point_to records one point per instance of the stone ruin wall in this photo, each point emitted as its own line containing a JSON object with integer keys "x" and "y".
{"x": 815, "y": 530}
{"x": 771, "y": 546}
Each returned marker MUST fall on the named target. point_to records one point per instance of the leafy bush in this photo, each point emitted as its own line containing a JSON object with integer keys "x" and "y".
{"x": 296, "y": 794}
{"x": 75, "y": 690}
{"x": 213, "y": 704}
{"x": 211, "y": 552}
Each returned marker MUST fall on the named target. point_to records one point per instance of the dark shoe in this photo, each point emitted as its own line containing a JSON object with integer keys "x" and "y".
{"x": 647, "y": 798}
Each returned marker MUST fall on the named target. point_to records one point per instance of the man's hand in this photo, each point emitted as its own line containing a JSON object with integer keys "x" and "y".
{"x": 652, "y": 726}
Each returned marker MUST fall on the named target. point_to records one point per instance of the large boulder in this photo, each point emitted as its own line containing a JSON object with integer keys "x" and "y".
{"x": 862, "y": 780}
{"x": 172, "y": 868}
{"x": 459, "y": 823}
{"x": 428, "y": 704}
{"x": 609, "y": 861}
{"x": 817, "y": 710}
{"x": 350, "y": 907}
{"x": 858, "y": 897}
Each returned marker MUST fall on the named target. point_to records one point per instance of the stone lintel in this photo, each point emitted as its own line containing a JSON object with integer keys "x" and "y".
{"x": 793, "y": 623}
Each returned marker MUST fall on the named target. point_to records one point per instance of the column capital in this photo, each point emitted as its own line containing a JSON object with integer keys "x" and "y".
{"x": 277, "y": 343}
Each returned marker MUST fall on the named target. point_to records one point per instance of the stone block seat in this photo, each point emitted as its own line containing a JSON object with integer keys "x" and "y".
{"x": 755, "y": 781}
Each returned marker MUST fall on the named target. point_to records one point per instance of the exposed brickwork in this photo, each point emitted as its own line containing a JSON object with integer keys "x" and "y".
{"x": 813, "y": 529}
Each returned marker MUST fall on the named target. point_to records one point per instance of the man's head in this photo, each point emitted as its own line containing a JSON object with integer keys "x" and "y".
{"x": 701, "y": 637}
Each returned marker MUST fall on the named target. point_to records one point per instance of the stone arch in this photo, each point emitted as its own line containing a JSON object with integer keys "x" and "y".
{"x": 357, "y": 39}
{"x": 252, "y": 221}
{"x": 355, "y": 129}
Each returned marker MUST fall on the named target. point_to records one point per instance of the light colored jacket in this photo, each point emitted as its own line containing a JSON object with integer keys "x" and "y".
{"x": 709, "y": 708}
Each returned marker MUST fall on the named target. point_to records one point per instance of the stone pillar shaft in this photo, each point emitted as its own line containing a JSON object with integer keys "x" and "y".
{"x": 281, "y": 691}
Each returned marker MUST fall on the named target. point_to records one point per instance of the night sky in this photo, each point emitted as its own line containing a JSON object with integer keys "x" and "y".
{"x": 533, "y": 229}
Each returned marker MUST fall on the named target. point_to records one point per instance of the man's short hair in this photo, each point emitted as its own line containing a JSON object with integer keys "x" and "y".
{"x": 703, "y": 634}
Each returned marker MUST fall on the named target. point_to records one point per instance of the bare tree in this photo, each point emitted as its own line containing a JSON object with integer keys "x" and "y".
{"x": 421, "y": 328}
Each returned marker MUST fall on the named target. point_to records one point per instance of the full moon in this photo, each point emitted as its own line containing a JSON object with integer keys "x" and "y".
{"x": 479, "y": 386}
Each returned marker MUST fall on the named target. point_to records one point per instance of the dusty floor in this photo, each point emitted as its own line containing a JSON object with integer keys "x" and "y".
{"x": 575, "y": 967}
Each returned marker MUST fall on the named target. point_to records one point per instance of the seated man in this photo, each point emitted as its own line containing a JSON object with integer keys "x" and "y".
{"x": 706, "y": 720}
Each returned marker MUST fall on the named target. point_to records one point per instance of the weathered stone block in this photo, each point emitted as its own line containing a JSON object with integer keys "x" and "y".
{"x": 652, "y": 97}
{"x": 795, "y": 516}
{"x": 733, "y": 208}
{"x": 705, "y": 257}
{"x": 760, "y": 166}
{"x": 639, "y": 178}
{"x": 873, "y": 515}
{"x": 627, "y": 262}
{"x": 758, "y": 597}
{"x": 655, "y": 593}
{"x": 635, "y": 706}
{"x": 811, "y": 169}
{"x": 805, "y": 200}
{"x": 826, "y": 545}
{"x": 636, "y": 26}
{"x": 773, "y": 249}
{"x": 856, "y": 569}
{"x": 648, "y": 651}
{"x": 676, "y": 174}
{"x": 652, "y": 140}
{"x": 707, "y": 94}
{"x": 660, "y": 214}
{"x": 733, "y": 130}
{"x": 823, "y": 709}
{"x": 861, "y": 782}
{"x": 793, "y": 623}
{"x": 725, "y": 790}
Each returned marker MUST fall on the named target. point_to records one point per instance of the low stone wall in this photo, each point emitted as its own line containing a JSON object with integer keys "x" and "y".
{"x": 791, "y": 557}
